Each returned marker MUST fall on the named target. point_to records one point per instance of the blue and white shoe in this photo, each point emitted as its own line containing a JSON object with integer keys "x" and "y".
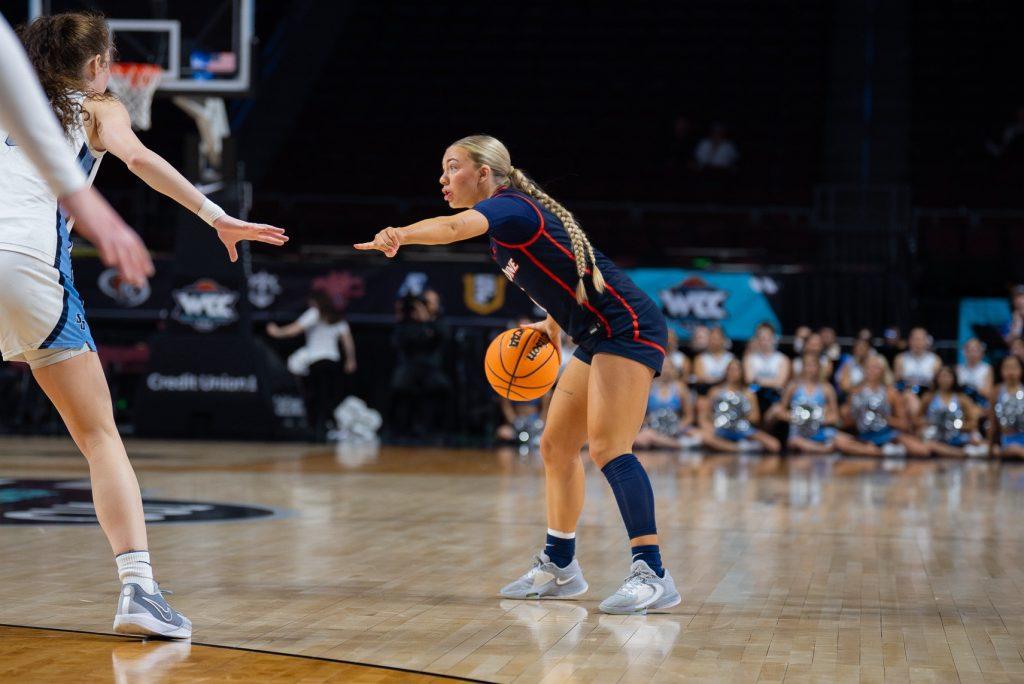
{"x": 145, "y": 614}
{"x": 545, "y": 580}
{"x": 642, "y": 591}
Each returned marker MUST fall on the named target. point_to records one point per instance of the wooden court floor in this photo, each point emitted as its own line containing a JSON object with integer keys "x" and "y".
{"x": 798, "y": 570}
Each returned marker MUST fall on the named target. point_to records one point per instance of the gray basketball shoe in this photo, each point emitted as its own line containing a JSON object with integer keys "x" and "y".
{"x": 545, "y": 580}
{"x": 642, "y": 591}
{"x": 149, "y": 615}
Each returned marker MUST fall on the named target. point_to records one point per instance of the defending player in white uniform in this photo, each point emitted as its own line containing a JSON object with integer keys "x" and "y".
{"x": 42, "y": 320}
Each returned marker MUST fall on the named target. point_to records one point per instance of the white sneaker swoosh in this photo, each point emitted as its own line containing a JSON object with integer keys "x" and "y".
{"x": 656, "y": 591}
{"x": 560, "y": 582}
{"x": 167, "y": 615}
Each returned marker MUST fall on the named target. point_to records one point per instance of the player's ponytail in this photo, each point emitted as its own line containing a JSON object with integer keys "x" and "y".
{"x": 59, "y": 46}
{"x": 484, "y": 149}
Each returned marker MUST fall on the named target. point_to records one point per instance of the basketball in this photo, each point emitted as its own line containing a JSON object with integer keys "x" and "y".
{"x": 521, "y": 364}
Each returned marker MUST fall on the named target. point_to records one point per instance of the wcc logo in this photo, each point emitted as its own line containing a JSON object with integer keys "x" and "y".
{"x": 205, "y": 305}
{"x": 483, "y": 293}
{"x": 69, "y": 502}
{"x": 694, "y": 301}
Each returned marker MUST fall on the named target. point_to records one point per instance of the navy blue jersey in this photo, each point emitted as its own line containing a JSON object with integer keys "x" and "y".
{"x": 533, "y": 249}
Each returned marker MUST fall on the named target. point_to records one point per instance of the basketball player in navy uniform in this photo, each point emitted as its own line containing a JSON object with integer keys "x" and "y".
{"x": 601, "y": 397}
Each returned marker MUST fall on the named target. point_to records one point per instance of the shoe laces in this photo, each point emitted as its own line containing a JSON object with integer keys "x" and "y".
{"x": 637, "y": 578}
{"x": 538, "y": 563}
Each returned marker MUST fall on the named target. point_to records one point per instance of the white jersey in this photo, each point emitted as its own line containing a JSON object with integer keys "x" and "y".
{"x": 30, "y": 219}
{"x": 25, "y": 111}
{"x": 765, "y": 366}
{"x": 974, "y": 377}
{"x": 715, "y": 366}
{"x": 919, "y": 369}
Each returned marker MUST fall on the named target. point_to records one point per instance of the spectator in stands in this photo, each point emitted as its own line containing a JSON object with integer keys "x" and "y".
{"x": 865, "y": 334}
{"x": 1017, "y": 348}
{"x": 319, "y": 361}
{"x": 948, "y": 424}
{"x": 975, "y": 374}
{"x": 811, "y": 408}
{"x": 800, "y": 339}
{"x": 1006, "y": 415}
{"x": 709, "y": 366}
{"x": 814, "y": 345}
{"x": 916, "y": 369}
{"x": 877, "y": 413}
{"x": 767, "y": 369}
{"x": 679, "y": 360}
{"x": 669, "y": 423}
{"x": 851, "y": 372}
{"x": 420, "y": 388}
{"x": 828, "y": 339}
{"x": 1014, "y": 330}
{"x": 699, "y": 340}
{"x": 730, "y": 413}
{"x": 432, "y": 300}
{"x": 717, "y": 152}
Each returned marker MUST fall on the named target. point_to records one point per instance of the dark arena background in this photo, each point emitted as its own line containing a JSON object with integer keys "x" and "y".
{"x": 833, "y": 182}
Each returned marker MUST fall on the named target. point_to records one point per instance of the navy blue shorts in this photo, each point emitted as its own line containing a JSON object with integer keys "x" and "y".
{"x": 645, "y": 345}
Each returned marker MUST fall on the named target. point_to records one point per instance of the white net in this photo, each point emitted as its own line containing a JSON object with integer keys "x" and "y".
{"x": 134, "y": 84}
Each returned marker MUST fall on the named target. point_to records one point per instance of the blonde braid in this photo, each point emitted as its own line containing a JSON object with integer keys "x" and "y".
{"x": 581, "y": 247}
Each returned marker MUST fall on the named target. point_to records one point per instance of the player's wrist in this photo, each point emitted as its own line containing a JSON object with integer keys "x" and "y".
{"x": 210, "y": 212}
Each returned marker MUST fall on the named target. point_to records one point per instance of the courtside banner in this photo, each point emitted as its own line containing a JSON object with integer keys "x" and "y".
{"x": 736, "y": 301}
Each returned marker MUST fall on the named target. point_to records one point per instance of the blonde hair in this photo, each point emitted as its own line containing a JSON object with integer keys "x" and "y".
{"x": 487, "y": 150}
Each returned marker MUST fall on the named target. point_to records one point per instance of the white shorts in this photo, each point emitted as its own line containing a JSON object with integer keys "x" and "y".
{"x": 42, "y": 319}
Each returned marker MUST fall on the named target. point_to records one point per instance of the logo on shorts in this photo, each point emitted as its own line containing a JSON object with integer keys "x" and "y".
{"x": 205, "y": 305}
{"x": 69, "y": 502}
{"x": 483, "y": 293}
{"x": 122, "y": 292}
{"x": 694, "y": 301}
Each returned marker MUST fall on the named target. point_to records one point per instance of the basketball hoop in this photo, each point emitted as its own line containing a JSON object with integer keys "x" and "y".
{"x": 134, "y": 84}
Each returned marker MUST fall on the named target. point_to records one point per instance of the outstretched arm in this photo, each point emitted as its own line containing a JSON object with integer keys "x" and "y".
{"x": 114, "y": 132}
{"x": 283, "y": 331}
{"x": 442, "y": 230}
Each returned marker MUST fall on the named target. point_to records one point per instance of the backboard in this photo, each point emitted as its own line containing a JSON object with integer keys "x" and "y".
{"x": 203, "y": 46}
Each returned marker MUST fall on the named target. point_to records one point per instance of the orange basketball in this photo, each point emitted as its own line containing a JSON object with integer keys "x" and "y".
{"x": 521, "y": 364}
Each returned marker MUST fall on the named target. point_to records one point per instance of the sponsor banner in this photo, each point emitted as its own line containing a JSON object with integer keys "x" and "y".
{"x": 280, "y": 290}
{"x": 736, "y": 301}
{"x": 209, "y": 304}
{"x": 69, "y": 502}
{"x": 202, "y": 382}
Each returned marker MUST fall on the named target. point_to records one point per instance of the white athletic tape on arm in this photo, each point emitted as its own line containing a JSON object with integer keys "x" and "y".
{"x": 210, "y": 212}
